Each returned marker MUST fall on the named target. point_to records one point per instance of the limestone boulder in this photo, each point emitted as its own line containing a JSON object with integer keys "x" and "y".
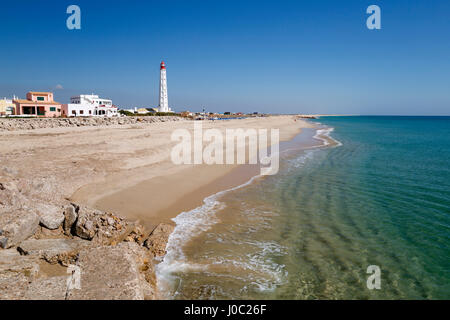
{"x": 62, "y": 251}
{"x": 53, "y": 288}
{"x": 70, "y": 217}
{"x": 100, "y": 227}
{"x": 10, "y": 196}
{"x": 17, "y": 226}
{"x": 11, "y": 262}
{"x": 114, "y": 273}
{"x": 87, "y": 223}
{"x": 157, "y": 241}
{"x": 20, "y": 279}
{"x": 50, "y": 216}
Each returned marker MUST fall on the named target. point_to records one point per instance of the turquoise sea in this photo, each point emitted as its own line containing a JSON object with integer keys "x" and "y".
{"x": 380, "y": 197}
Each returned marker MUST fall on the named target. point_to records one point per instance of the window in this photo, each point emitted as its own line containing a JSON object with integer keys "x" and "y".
{"x": 52, "y": 109}
{"x": 81, "y": 111}
{"x": 90, "y": 112}
{"x": 74, "y": 112}
{"x": 40, "y": 98}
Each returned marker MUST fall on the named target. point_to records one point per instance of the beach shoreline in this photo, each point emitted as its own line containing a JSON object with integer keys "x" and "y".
{"x": 196, "y": 220}
{"x": 165, "y": 190}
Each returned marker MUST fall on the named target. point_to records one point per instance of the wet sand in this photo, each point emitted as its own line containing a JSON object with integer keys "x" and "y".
{"x": 162, "y": 198}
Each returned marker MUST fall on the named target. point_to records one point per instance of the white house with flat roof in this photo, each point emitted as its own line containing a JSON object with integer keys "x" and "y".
{"x": 89, "y": 105}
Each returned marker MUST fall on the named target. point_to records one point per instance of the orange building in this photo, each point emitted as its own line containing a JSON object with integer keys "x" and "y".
{"x": 39, "y": 104}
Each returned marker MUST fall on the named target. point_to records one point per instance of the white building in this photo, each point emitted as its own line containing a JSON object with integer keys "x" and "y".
{"x": 89, "y": 106}
{"x": 7, "y": 107}
{"x": 163, "y": 97}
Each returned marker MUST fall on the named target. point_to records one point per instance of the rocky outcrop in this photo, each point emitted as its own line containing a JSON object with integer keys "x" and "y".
{"x": 101, "y": 227}
{"x": 114, "y": 273}
{"x": 12, "y": 124}
{"x": 63, "y": 251}
{"x": 17, "y": 226}
{"x": 157, "y": 240}
{"x": 115, "y": 255}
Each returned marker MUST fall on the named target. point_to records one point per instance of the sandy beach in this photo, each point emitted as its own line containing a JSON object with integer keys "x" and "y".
{"x": 125, "y": 169}
{"x": 158, "y": 190}
{"x": 101, "y": 193}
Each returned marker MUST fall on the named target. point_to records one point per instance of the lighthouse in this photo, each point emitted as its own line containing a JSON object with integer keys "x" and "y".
{"x": 163, "y": 98}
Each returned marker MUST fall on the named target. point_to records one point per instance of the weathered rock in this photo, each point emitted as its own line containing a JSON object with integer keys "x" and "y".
{"x": 18, "y": 226}
{"x": 45, "y": 233}
{"x": 114, "y": 273}
{"x": 13, "y": 285}
{"x": 3, "y": 242}
{"x": 19, "y": 279}
{"x": 86, "y": 221}
{"x": 10, "y": 171}
{"x": 109, "y": 220}
{"x": 10, "y": 197}
{"x": 136, "y": 234}
{"x": 11, "y": 262}
{"x": 70, "y": 217}
{"x": 157, "y": 240}
{"x": 50, "y": 216}
{"x": 102, "y": 228}
{"x": 146, "y": 270}
{"x": 53, "y": 288}
{"x": 53, "y": 251}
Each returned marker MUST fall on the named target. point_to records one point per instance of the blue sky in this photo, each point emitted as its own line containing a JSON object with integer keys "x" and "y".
{"x": 267, "y": 56}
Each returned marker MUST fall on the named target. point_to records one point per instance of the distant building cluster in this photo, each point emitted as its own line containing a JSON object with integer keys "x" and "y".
{"x": 42, "y": 104}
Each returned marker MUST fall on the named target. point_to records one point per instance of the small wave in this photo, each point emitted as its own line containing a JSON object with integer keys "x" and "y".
{"x": 320, "y": 133}
{"x": 188, "y": 225}
{"x": 260, "y": 270}
{"x": 301, "y": 161}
